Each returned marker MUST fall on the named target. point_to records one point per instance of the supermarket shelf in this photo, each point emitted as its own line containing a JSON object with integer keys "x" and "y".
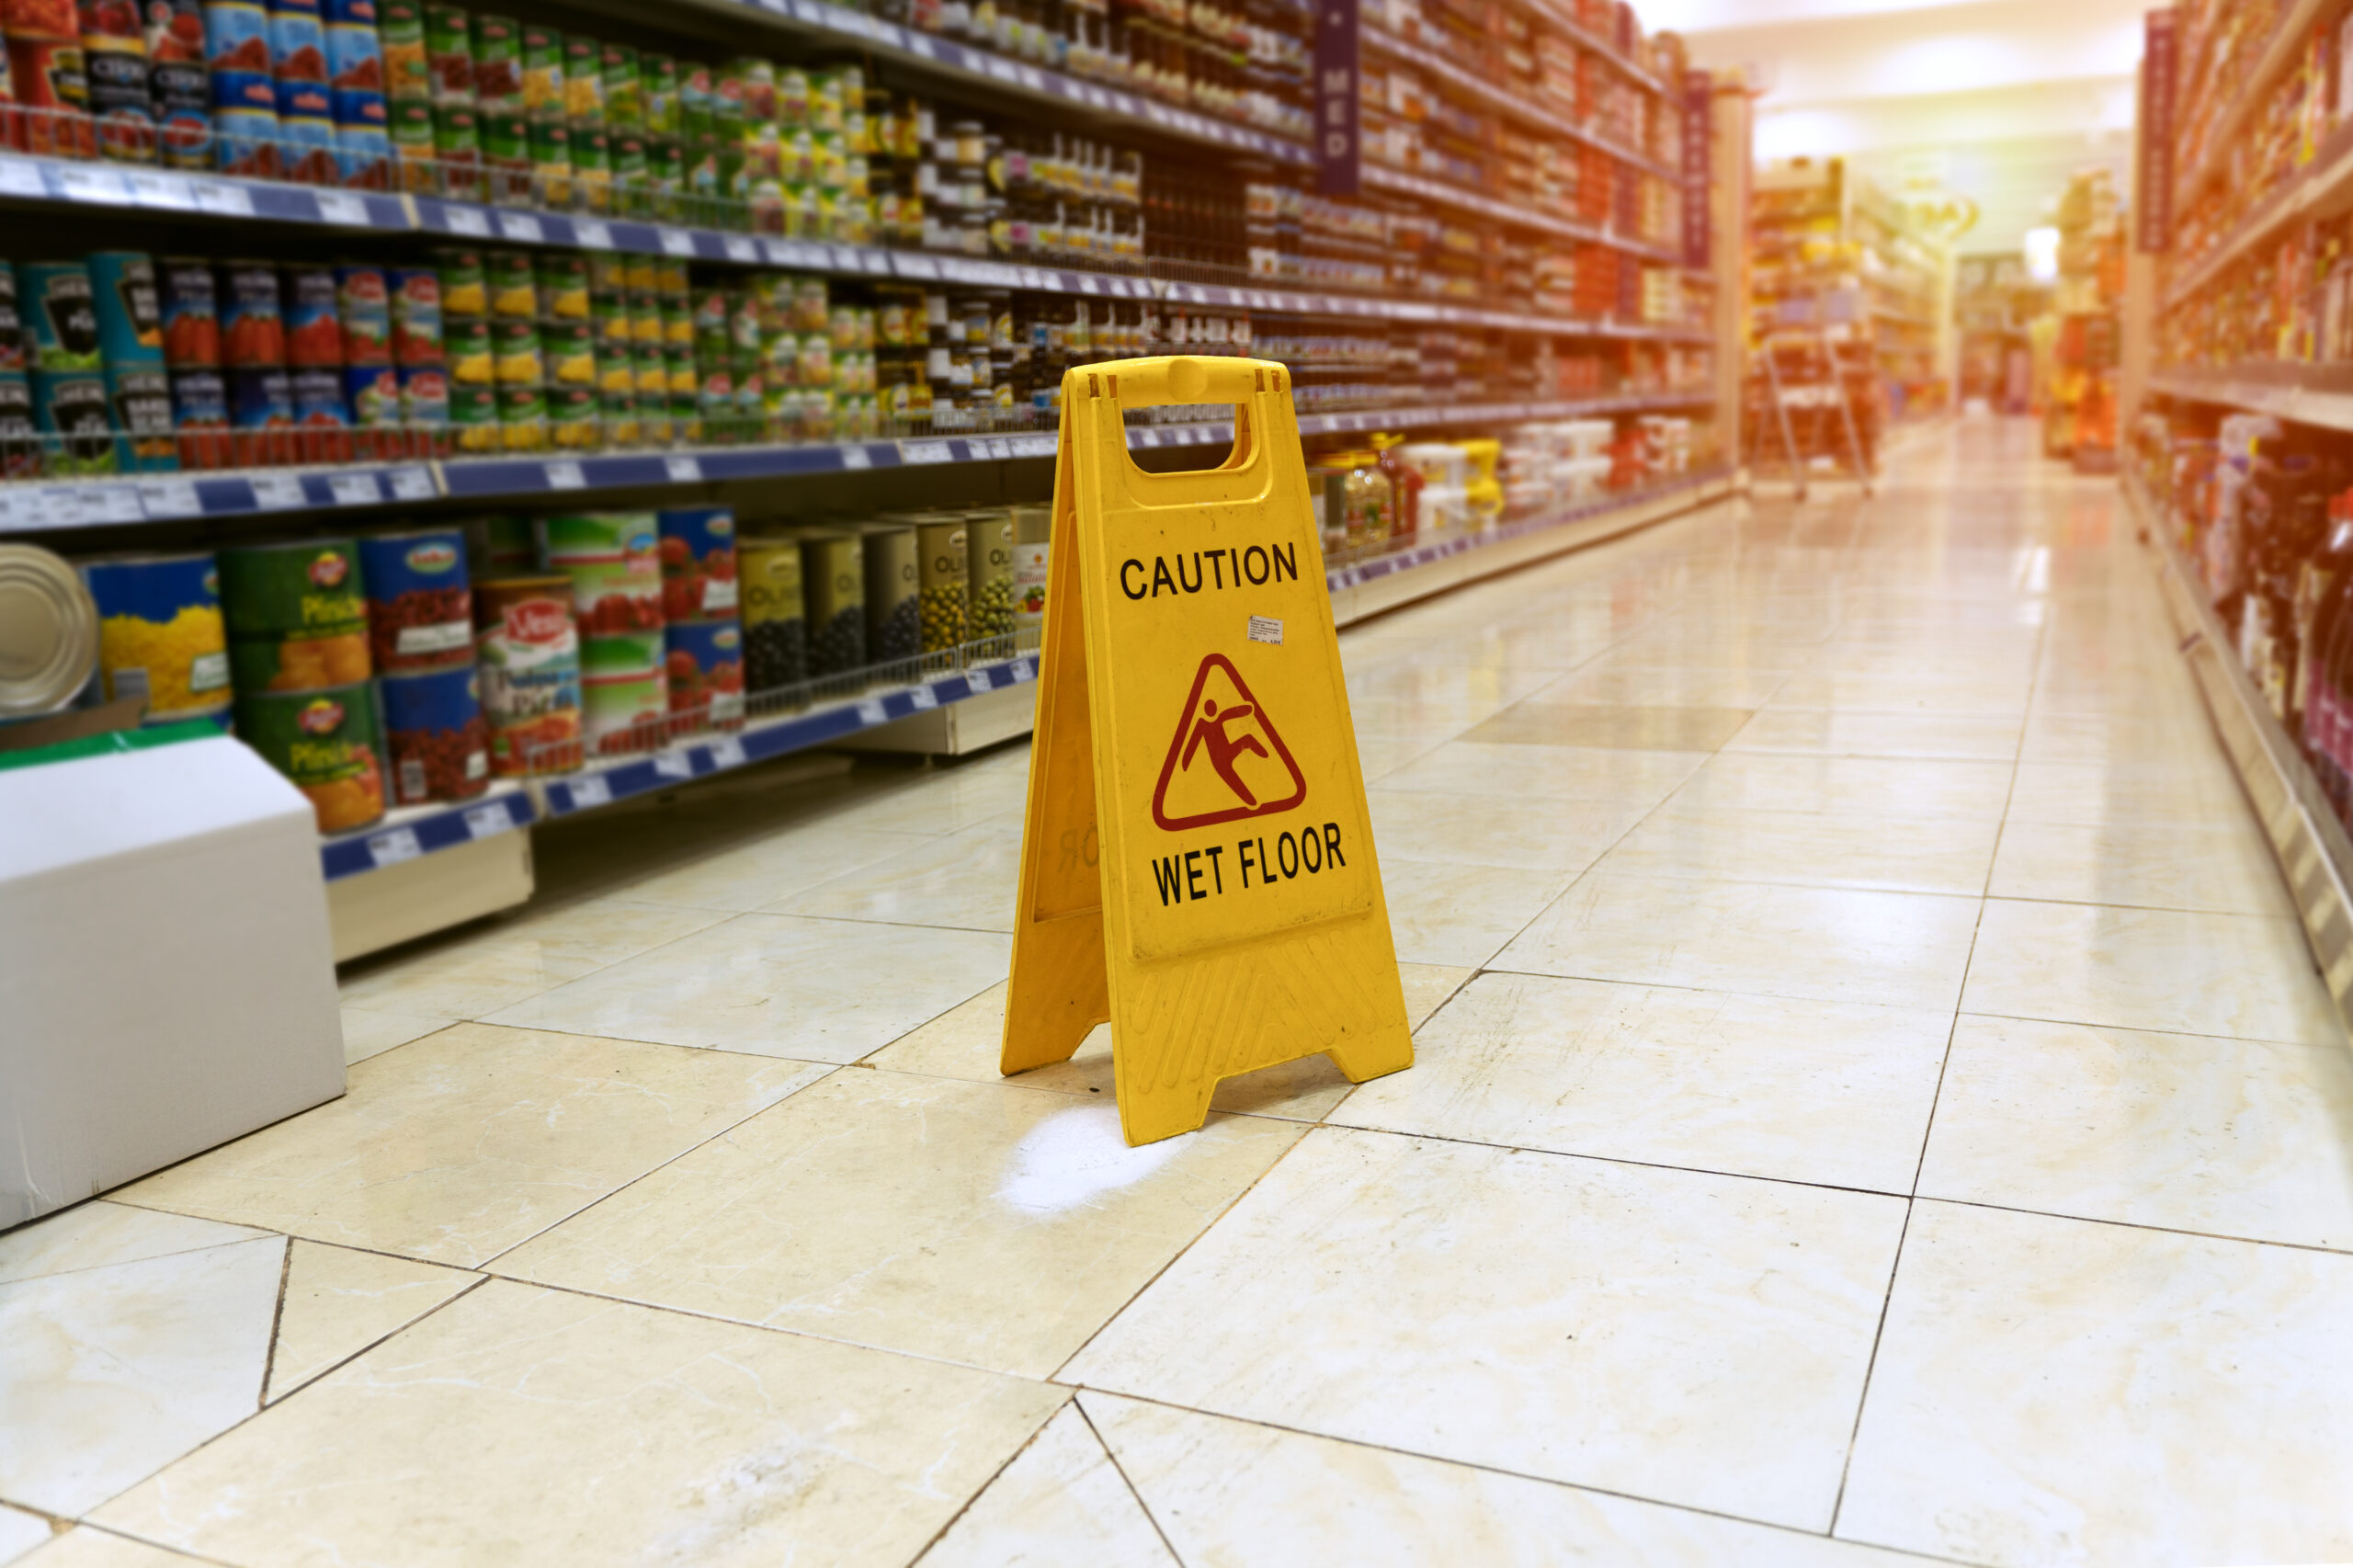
{"x": 164, "y": 191}
{"x": 2278, "y": 53}
{"x": 2314, "y": 855}
{"x": 1438, "y": 193}
{"x": 2319, "y": 395}
{"x": 1577, "y": 33}
{"x": 408, "y": 832}
{"x": 47, "y": 506}
{"x": 1503, "y": 101}
{"x": 2324, "y": 189}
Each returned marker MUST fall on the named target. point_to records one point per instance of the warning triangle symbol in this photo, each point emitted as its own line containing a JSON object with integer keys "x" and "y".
{"x": 1225, "y": 762}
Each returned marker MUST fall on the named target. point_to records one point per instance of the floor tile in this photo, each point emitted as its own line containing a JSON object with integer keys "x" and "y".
{"x": 2245, "y": 975}
{"x": 2238, "y": 1138}
{"x": 20, "y": 1533}
{"x": 84, "y": 1547}
{"x": 1693, "y": 1340}
{"x": 1472, "y": 830}
{"x": 745, "y": 877}
{"x": 965, "y": 1042}
{"x": 1443, "y": 913}
{"x": 2127, "y": 738}
{"x": 2192, "y": 790}
{"x": 777, "y": 986}
{"x": 1912, "y": 787}
{"x": 992, "y": 1225}
{"x": 1626, "y": 726}
{"x": 93, "y": 1234}
{"x": 1702, "y": 685}
{"x": 1061, "y": 1501}
{"x": 520, "y": 1424}
{"x": 1241, "y": 1496}
{"x": 1900, "y": 690}
{"x": 1548, "y": 773}
{"x": 458, "y": 1147}
{"x": 1801, "y": 1091}
{"x": 966, "y": 880}
{"x": 2049, "y": 1391}
{"x": 2226, "y": 870}
{"x": 107, "y": 1374}
{"x": 471, "y": 975}
{"x": 339, "y": 1301}
{"x": 1860, "y": 733}
{"x": 1830, "y": 944}
{"x": 1948, "y": 854}
{"x": 367, "y": 1034}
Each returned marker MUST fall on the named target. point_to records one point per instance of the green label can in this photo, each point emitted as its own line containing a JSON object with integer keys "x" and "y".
{"x": 990, "y": 547}
{"x": 308, "y": 586}
{"x": 327, "y": 742}
{"x": 562, "y": 278}
{"x": 943, "y": 569}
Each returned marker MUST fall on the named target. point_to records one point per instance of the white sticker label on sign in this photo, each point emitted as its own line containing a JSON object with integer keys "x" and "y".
{"x": 674, "y": 764}
{"x": 684, "y": 471}
{"x": 392, "y": 847}
{"x": 484, "y": 821}
{"x": 566, "y": 476}
{"x": 592, "y": 235}
{"x": 922, "y": 697}
{"x": 854, "y": 457}
{"x": 977, "y": 679}
{"x": 677, "y": 242}
{"x": 169, "y": 497}
{"x": 590, "y": 791}
{"x": 336, "y": 208}
{"x": 1021, "y": 670}
{"x": 272, "y": 491}
{"x": 354, "y": 489}
{"x": 727, "y": 752}
{"x": 522, "y": 227}
{"x": 742, "y": 249}
{"x": 872, "y": 712}
{"x": 412, "y": 484}
{"x": 1266, "y": 628}
{"x": 470, "y": 221}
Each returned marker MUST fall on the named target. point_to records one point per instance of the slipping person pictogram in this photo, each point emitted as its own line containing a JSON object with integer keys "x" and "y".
{"x": 1224, "y": 726}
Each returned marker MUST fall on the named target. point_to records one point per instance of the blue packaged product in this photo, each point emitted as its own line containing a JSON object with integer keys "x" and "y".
{"x": 704, "y": 665}
{"x": 436, "y": 739}
{"x": 306, "y": 152}
{"x": 318, "y": 399}
{"x": 354, "y": 108}
{"x": 183, "y": 103}
{"x": 373, "y": 394}
{"x": 129, "y": 307}
{"x": 360, "y": 11}
{"x": 297, "y": 42}
{"x": 420, "y": 606}
{"x": 261, "y": 398}
{"x": 250, "y": 92}
{"x": 245, "y": 140}
{"x": 236, "y": 37}
{"x": 140, "y": 400}
{"x": 160, "y": 636}
{"x": 200, "y": 417}
{"x": 365, "y": 156}
{"x": 355, "y": 60}
{"x": 424, "y": 397}
{"x": 62, "y": 319}
{"x": 76, "y": 422}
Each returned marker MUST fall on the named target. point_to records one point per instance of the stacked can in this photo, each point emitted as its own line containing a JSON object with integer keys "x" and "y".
{"x": 372, "y": 385}
{"x": 315, "y": 358}
{"x": 131, "y": 336}
{"x": 501, "y": 129}
{"x": 625, "y": 152}
{"x": 518, "y": 364}
{"x": 297, "y": 64}
{"x": 253, "y": 343}
{"x": 297, "y": 619}
{"x": 421, "y": 371}
{"x": 544, "y": 116}
{"x": 179, "y": 91}
{"x": 615, "y": 344}
{"x": 69, "y": 387}
{"x": 408, "y": 94}
{"x": 457, "y": 130}
{"x": 648, "y": 356}
{"x": 683, "y": 373}
{"x": 584, "y": 113}
{"x": 471, "y": 371}
{"x": 48, "y": 78}
{"x": 614, "y": 565}
{"x": 19, "y": 446}
{"x": 568, "y": 349}
{"x": 188, "y": 306}
{"x": 527, "y": 653}
{"x": 160, "y": 636}
{"x": 711, "y": 309}
{"x": 363, "y": 127}
{"x": 420, "y": 636}
{"x": 702, "y": 632}
{"x": 243, "y": 89}
{"x": 775, "y": 642}
{"x": 114, "y": 60}
{"x": 943, "y": 574}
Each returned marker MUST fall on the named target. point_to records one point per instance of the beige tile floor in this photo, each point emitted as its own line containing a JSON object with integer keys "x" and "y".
{"x": 1873, "y": 1105}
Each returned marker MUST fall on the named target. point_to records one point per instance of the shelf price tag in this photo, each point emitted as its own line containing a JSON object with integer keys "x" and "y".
{"x": 923, "y": 697}
{"x": 393, "y": 845}
{"x": 591, "y": 790}
{"x": 674, "y": 764}
{"x": 677, "y": 242}
{"x": 977, "y": 678}
{"x": 90, "y": 182}
{"x": 684, "y": 471}
{"x": 484, "y": 821}
{"x": 741, "y": 249}
{"x": 169, "y": 498}
{"x": 925, "y": 452}
{"x": 339, "y": 207}
{"x": 565, "y": 476}
{"x": 521, "y": 227}
{"x": 354, "y": 489}
{"x": 1022, "y": 670}
{"x": 411, "y": 484}
{"x": 727, "y": 752}
{"x": 20, "y": 178}
{"x": 470, "y": 221}
{"x": 168, "y": 192}
{"x": 593, "y": 233}
{"x": 111, "y": 504}
{"x": 856, "y": 457}
{"x": 872, "y": 712}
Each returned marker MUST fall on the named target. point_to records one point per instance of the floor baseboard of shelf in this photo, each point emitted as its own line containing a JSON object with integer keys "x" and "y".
{"x": 2314, "y": 854}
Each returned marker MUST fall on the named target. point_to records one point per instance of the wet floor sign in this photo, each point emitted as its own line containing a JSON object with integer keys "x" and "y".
{"x": 1198, "y": 866}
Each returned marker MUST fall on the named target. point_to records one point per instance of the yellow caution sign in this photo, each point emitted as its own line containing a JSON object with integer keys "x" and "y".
{"x": 1198, "y": 865}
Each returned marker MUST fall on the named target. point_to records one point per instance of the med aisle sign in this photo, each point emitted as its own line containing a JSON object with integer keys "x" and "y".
{"x": 1196, "y": 867}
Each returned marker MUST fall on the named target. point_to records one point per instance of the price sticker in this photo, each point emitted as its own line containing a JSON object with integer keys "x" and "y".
{"x": 111, "y": 504}
{"x": 741, "y": 249}
{"x": 393, "y": 845}
{"x": 978, "y": 679}
{"x": 593, "y": 790}
{"x": 856, "y": 457}
{"x": 925, "y": 452}
{"x": 872, "y": 712}
{"x": 412, "y": 484}
{"x": 168, "y": 192}
{"x": 169, "y": 498}
{"x": 20, "y": 178}
{"x": 521, "y": 227}
{"x": 593, "y": 233}
{"x": 470, "y": 221}
{"x": 1020, "y": 670}
{"x": 923, "y": 697}
{"x": 88, "y": 183}
{"x": 684, "y": 471}
{"x": 354, "y": 489}
{"x": 484, "y": 821}
{"x": 674, "y": 764}
{"x": 677, "y": 242}
{"x": 339, "y": 207}
{"x": 565, "y": 476}
{"x": 727, "y": 752}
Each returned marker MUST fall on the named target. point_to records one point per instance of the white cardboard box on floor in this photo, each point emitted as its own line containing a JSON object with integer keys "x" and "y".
{"x": 165, "y": 977}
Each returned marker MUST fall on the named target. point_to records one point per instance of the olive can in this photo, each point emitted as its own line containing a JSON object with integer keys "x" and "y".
{"x": 990, "y": 548}
{"x": 327, "y": 742}
{"x": 833, "y": 571}
{"x": 943, "y": 572}
{"x": 893, "y": 591}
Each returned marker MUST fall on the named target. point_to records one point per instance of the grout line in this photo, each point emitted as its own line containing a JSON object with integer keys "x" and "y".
{"x": 1133, "y": 1489}
{"x": 993, "y": 1476}
{"x": 277, "y": 1322}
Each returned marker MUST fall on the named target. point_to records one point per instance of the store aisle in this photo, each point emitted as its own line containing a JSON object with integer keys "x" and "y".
{"x": 1871, "y": 1089}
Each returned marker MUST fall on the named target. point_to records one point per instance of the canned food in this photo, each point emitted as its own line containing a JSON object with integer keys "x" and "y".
{"x": 310, "y": 587}
{"x": 775, "y": 650}
{"x": 354, "y": 58}
{"x": 72, "y": 407}
{"x": 542, "y": 71}
{"x": 236, "y": 36}
{"x": 326, "y": 742}
{"x": 424, "y": 397}
{"x": 528, "y": 651}
{"x": 562, "y": 278}
{"x": 58, "y": 306}
{"x": 704, "y": 663}
{"x": 467, "y": 347}
{"x": 697, "y": 563}
{"x": 420, "y": 611}
{"x": 514, "y": 353}
{"x": 188, "y": 311}
{"x": 989, "y": 550}
{"x": 573, "y": 425}
{"x": 373, "y": 392}
{"x": 363, "y": 305}
{"x": 252, "y": 332}
{"x": 296, "y": 662}
{"x": 261, "y": 413}
{"x": 313, "y": 321}
{"x": 943, "y": 572}
{"x": 614, "y": 565}
{"x": 567, "y": 355}
{"x": 833, "y": 570}
{"x": 363, "y": 154}
{"x": 522, "y": 417}
{"x": 513, "y": 284}
{"x": 160, "y": 637}
{"x": 12, "y": 323}
{"x": 51, "y": 81}
{"x": 624, "y": 692}
{"x": 321, "y": 413}
{"x": 52, "y": 642}
{"x": 894, "y": 592}
{"x": 435, "y": 735}
{"x": 182, "y": 95}
{"x": 623, "y": 88}
{"x": 297, "y": 42}
{"x": 139, "y": 398}
{"x": 465, "y": 291}
{"x": 473, "y": 416}
{"x": 124, "y": 297}
{"x": 584, "y": 82}
{"x": 449, "y": 55}
{"x": 400, "y": 31}
{"x": 416, "y": 310}
{"x": 21, "y": 454}
{"x": 200, "y": 417}
{"x": 306, "y": 133}
{"x": 498, "y": 61}
{"x": 245, "y": 134}
{"x": 501, "y": 545}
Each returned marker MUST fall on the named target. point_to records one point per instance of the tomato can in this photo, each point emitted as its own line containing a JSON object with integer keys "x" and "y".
{"x": 261, "y": 414}
{"x": 355, "y": 57}
{"x": 252, "y": 332}
{"x": 424, "y": 398}
{"x": 363, "y": 307}
{"x": 624, "y": 692}
{"x": 200, "y": 417}
{"x": 415, "y": 299}
{"x": 435, "y": 735}
{"x": 236, "y": 36}
{"x": 363, "y": 150}
{"x": 298, "y": 41}
{"x": 704, "y": 665}
{"x": 52, "y": 87}
{"x": 20, "y": 444}
{"x": 699, "y": 575}
{"x": 327, "y": 742}
{"x": 313, "y": 321}
{"x": 189, "y": 312}
{"x": 244, "y": 137}
{"x": 160, "y": 636}
{"x": 528, "y": 651}
{"x": 420, "y": 610}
